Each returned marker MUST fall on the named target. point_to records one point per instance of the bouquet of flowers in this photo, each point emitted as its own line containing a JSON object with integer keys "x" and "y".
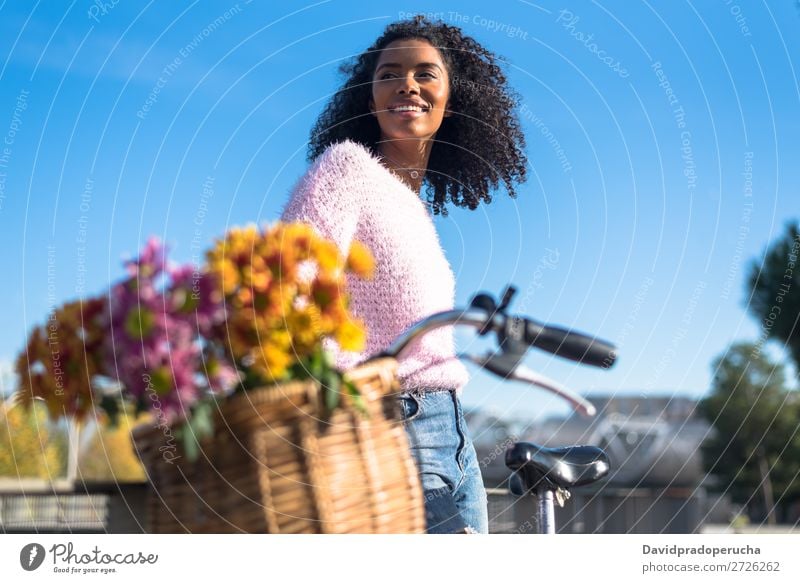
{"x": 171, "y": 339}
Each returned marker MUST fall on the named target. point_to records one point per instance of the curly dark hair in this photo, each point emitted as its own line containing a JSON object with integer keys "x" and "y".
{"x": 475, "y": 149}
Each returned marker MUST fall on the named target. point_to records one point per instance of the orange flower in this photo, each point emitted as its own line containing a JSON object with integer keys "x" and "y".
{"x": 279, "y": 310}
{"x": 350, "y": 335}
{"x": 325, "y": 293}
{"x": 62, "y": 357}
{"x": 328, "y": 257}
{"x": 360, "y": 260}
{"x": 305, "y": 327}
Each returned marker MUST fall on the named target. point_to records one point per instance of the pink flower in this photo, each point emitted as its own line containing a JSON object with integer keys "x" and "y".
{"x": 157, "y": 351}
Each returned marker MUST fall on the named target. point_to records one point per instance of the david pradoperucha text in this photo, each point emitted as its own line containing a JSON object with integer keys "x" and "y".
{"x": 680, "y": 551}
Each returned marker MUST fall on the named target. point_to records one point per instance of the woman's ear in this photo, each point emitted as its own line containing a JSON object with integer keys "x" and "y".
{"x": 372, "y": 107}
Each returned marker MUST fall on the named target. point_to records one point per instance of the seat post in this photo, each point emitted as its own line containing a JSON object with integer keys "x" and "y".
{"x": 546, "y": 511}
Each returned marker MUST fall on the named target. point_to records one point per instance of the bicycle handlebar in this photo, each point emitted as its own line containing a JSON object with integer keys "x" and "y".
{"x": 564, "y": 343}
{"x": 568, "y": 344}
{"x": 515, "y": 335}
{"x": 470, "y": 317}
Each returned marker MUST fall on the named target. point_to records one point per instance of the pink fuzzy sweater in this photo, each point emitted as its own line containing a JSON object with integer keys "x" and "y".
{"x": 348, "y": 194}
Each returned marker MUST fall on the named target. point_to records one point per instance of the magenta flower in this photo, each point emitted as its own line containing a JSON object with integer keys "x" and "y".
{"x": 158, "y": 354}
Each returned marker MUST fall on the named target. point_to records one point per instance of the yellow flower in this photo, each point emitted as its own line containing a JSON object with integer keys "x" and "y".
{"x": 281, "y": 265}
{"x": 350, "y": 335}
{"x": 328, "y": 257}
{"x": 228, "y": 275}
{"x": 360, "y": 260}
{"x": 273, "y": 362}
{"x": 278, "y": 311}
{"x": 304, "y": 326}
{"x": 243, "y": 298}
{"x": 299, "y": 238}
{"x": 278, "y": 301}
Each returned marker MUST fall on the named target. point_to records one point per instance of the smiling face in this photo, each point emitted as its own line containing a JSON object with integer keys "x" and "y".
{"x": 410, "y": 90}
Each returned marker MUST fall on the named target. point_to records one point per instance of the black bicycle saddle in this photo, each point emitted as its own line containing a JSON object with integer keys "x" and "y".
{"x": 564, "y": 467}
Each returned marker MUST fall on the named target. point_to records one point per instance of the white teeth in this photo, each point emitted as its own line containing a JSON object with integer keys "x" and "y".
{"x": 407, "y": 108}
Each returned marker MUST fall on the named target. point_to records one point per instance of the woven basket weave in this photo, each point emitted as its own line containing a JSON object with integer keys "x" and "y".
{"x": 275, "y": 466}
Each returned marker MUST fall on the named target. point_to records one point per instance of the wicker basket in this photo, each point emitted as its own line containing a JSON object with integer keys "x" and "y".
{"x": 274, "y": 466}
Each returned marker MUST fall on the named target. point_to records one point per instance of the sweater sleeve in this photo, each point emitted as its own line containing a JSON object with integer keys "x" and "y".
{"x": 328, "y": 196}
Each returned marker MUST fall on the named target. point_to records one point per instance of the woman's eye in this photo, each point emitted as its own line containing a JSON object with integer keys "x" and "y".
{"x": 426, "y": 74}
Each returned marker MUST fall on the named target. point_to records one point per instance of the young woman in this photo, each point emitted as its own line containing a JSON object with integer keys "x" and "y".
{"x": 425, "y": 105}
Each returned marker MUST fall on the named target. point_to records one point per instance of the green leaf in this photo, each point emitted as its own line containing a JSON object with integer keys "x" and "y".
{"x": 202, "y": 420}
{"x": 328, "y": 358}
{"x": 190, "y": 445}
{"x": 331, "y": 387}
{"x": 251, "y": 380}
{"x": 198, "y": 427}
{"x": 298, "y": 370}
{"x": 358, "y": 400}
{"x": 317, "y": 365}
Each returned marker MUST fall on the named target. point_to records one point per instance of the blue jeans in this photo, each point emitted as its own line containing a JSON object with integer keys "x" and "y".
{"x": 451, "y": 477}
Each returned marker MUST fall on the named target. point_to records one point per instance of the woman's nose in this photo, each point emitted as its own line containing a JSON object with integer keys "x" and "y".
{"x": 409, "y": 85}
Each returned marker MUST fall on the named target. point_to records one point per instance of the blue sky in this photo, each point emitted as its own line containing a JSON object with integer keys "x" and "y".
{"x": 661, "y": 138}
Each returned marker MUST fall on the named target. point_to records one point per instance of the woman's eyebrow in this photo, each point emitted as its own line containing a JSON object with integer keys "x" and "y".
{"x": 418, "y": 66}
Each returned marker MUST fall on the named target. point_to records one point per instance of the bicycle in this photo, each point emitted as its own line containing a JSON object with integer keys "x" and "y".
{"x": 546, "y": 473}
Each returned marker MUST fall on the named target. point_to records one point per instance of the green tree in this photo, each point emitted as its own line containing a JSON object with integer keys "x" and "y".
{"x": 754, "y": 448}
{"x": 773, "y": 289}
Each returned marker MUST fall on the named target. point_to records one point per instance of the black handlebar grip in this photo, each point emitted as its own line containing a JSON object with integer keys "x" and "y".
{"x": 484, "y": 302}
{"x": 572, "y": 345}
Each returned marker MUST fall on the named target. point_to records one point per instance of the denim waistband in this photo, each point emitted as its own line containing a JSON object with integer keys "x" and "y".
{"x": 423, "y": 391}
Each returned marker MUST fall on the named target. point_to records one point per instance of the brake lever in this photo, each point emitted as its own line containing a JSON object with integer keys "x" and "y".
{"x": 500, "y": 366}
